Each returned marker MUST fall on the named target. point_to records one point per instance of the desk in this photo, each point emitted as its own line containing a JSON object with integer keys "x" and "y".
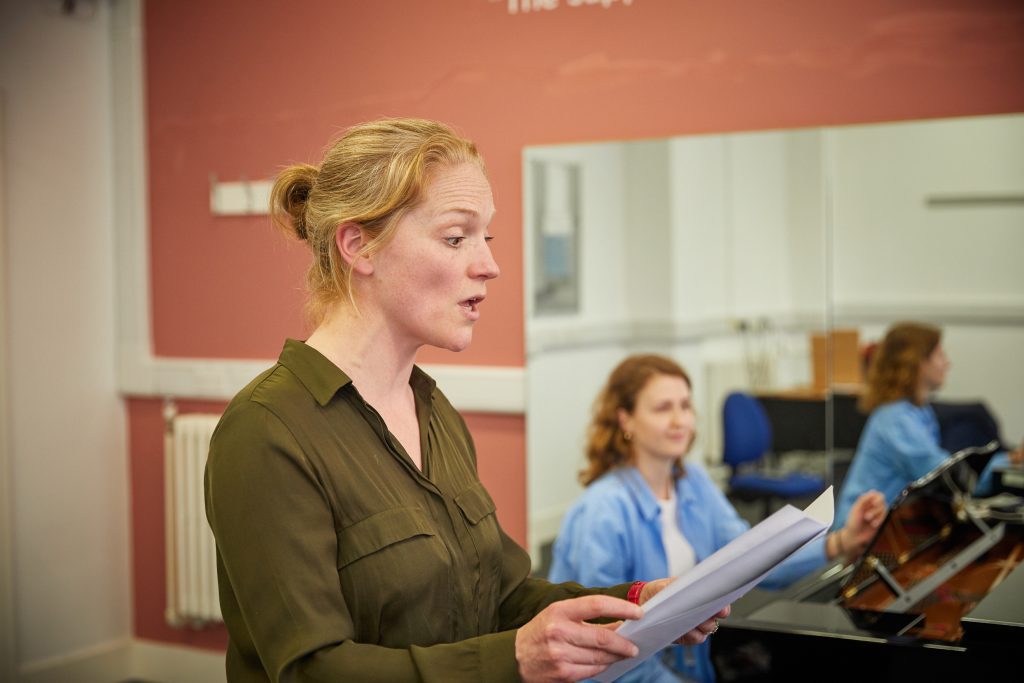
{"x": 798, "y": 419}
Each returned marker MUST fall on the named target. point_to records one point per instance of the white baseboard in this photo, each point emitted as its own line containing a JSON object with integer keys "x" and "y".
{"x": 128, "y": 659}
{"x": 163, "y": 663}
{"x": 105, "y": 663}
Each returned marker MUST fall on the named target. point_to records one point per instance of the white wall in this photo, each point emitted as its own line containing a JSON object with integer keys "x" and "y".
{"x": 807, "y": 207}
{"x": 988, "y": 365}
{"x": 701, "y": 212}
{"x": 747, "y": 226}
{"x": 7, "y": 645}
{"x": 760, "y": 222}
{"x": 646, "y": 229}
{"x": 897, "y": 257}
{"x": 67, "y": 425}
{"x": 889, "y": 241}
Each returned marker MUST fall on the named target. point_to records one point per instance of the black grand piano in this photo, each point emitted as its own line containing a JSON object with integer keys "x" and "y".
{"x": 938, "y": 595}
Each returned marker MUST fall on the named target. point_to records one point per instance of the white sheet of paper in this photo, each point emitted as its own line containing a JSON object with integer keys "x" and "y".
{"x": 722, "y": 578}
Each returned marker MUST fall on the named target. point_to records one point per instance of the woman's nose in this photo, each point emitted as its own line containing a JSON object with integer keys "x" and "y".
{"x": 485, "y": 267}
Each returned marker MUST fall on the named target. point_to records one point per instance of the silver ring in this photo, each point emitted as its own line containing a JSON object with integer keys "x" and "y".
{"x": 714, "y": 630}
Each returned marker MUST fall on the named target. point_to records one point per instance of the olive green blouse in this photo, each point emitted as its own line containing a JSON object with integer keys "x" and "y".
{"x": 339, "y": 560}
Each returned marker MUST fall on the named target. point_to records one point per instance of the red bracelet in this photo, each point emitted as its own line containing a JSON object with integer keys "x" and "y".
{"x": 634, "y": 592}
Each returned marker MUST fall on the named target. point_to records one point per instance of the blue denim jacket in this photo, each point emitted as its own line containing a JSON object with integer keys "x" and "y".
{"x": 612, "y": 534}
{"x": 900, "y": 443}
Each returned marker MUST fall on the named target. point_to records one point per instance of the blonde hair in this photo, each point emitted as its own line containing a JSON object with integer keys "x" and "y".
{"x": 896, "y": 364}
{"x": 372, "y": 175}
{"x": 607, "y": 446}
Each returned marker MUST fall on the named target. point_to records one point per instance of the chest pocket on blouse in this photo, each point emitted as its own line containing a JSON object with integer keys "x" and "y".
{"x": 380, "y": 531}
{"x": 388, "y": 563}
{"x": 475, "y": 503}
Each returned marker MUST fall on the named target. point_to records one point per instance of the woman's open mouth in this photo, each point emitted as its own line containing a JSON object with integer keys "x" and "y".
{"x": 471, "y": 305}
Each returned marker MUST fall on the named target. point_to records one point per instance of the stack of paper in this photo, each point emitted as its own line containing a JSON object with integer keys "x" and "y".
{"x": 722, "y": 578}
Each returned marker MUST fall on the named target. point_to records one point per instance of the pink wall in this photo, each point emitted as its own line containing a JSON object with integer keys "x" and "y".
{"x": 238, "y": 88}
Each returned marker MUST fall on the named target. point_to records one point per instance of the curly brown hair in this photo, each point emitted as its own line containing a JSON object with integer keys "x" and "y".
{"x": 607, "y": 447}
{"x": 896, "y": 364}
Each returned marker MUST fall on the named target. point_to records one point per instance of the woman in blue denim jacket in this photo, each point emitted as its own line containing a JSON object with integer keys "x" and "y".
{"x": 645, "y": 515}
{"x": 900, "y": 442}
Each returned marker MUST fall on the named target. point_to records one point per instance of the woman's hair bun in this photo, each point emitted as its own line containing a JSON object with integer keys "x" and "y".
{"x": 289, "y": 196}
{"x": 298, "y": 193}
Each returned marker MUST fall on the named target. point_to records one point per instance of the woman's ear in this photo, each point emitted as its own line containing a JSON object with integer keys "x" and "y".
{"x": 625, "y": 420}
{"x": 350, "y": 240}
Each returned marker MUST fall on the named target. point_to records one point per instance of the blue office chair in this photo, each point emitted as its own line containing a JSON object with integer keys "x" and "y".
{"x": 747, "y": 438}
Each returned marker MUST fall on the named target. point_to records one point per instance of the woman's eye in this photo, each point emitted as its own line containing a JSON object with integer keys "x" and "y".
{"x": 454, "y": 241}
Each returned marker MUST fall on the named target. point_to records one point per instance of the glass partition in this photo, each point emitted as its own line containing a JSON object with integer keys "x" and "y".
{"x": 766, "y": 263}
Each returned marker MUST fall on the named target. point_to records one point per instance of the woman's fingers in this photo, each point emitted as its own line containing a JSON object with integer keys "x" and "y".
{"x": 652, "y": 588}
{"x": 865, "y": 517}
{"x": 595, "y": 607}
{"x": 558, "y": 644}
{"x": 705, "y": 629}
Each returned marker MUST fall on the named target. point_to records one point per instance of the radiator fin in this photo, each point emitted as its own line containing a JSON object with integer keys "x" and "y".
{"x": 192, "y": 598}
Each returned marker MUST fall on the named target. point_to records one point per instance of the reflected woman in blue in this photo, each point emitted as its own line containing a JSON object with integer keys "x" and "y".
{"x": 900, "y": 442}
{"x": 644, "y": 514}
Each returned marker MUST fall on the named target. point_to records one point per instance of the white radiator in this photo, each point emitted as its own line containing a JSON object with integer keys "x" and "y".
{"x": 191, "y": 552}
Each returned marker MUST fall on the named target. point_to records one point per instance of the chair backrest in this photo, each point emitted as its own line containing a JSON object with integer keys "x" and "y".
{"x": 965, "y": 425}
{"x": 746, "y": 432}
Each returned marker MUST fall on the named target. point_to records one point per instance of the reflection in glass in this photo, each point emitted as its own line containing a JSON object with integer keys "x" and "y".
{"x": 751, "y": 257}
{"x": 556, "y": 222}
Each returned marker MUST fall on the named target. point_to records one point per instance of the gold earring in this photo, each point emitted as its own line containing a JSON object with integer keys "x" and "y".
{"x": 628, "y": 436}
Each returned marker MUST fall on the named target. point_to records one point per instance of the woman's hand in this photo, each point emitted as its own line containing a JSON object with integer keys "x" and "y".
{"x": 866, "y": 515}
{"x": 699, "y": 634}
{"x": 558, "y": 645}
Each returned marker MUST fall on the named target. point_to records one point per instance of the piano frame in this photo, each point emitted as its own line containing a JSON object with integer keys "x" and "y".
{"x": 938, "y": 592}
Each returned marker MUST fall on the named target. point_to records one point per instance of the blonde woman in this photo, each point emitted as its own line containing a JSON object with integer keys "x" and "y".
{"x": 354, "y": 539}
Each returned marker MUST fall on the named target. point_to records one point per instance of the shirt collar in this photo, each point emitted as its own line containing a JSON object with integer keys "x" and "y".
{"x": 423, "y": 386}
{"x": 684, "y": 492}
{"x": 641, "y": 492}
{"x": 644, "y": 496}
{"x": 323, "y": 379}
